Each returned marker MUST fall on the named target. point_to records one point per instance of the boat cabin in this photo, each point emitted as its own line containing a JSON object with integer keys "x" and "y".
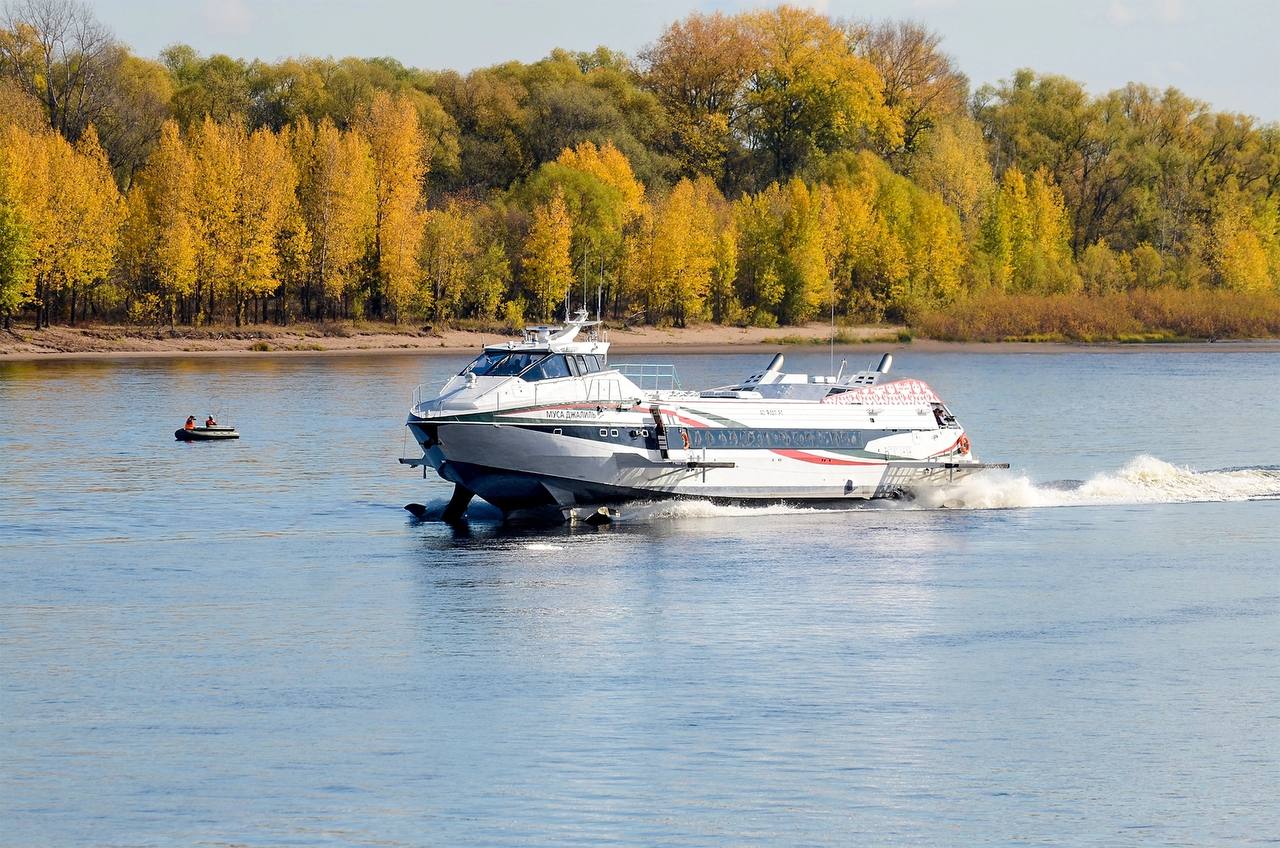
{"x": 534, "y": 365}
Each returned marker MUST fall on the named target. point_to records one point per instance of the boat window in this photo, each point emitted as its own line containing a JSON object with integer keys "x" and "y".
{"x": 548, "y": 369}
{"x": 584, "y": 364}
{"x": 512, "y": 364}
{"x": 574, "y": 367}
{"x": 484, "y": 363}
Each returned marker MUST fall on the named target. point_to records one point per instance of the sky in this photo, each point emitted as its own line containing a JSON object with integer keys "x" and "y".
{"x": 1221, "y": 51}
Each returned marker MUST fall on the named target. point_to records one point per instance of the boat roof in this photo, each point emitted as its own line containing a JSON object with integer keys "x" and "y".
{"x": 559, "y": 339}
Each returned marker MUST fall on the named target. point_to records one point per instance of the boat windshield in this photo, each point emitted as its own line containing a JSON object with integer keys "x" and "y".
{"x": 531, "y": 367}
{"x": 499, "y": 363}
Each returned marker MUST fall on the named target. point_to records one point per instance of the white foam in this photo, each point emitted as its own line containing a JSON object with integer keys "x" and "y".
{"x": 680, "y": 509}
{"x": 1142, "y": 480}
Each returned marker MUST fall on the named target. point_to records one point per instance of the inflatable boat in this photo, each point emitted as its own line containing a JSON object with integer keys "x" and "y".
{"x": 205, "y": 434}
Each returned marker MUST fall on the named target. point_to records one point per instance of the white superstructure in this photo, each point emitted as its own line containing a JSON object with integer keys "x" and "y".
{"x": 547, "y": 421}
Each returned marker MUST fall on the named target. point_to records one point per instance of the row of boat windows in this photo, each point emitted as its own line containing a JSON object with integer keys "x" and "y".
{"x": 771, "y": 438}
{"x": 534, "y": 366}
{"x": 733, "y": 438}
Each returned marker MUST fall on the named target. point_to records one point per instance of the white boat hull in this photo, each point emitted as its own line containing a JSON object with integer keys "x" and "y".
{"x": 516, "y": 466}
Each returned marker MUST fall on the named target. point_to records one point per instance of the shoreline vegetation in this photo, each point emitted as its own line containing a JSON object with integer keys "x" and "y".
{"x": 759, "y": 170}
{"x": 105, "y": 341}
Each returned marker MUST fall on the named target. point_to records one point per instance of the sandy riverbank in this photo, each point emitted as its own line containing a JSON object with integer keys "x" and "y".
{"x": 333, "y": 339}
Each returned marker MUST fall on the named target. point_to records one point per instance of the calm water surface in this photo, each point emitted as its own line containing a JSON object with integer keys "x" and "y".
{"x": 252, "y": 644}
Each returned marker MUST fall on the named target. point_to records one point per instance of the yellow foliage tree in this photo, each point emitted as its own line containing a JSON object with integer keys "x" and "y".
{"x": 215, "y": 161}
{"x": 160, "y": 237}
{"x": 546, "y": 269}
{"x": 15, "y": 240}
{"x": 1239, "y": 249}
{"x": 810, "y": 92}
{"x": 726, "y": 306}
{"x": 336, "y": 193}
{"x": 678, "y": 255}
{"x": 1027, "y": 236}
{"x": 68, "y": 198}
{"x": 449, "y": 247}
{"x": 392, "y": 128}
{"x": 805, "y": 282}
{"x": 612, "y": 167}
{"x": 265, "y": 191}
{"x": 952, "y": 162}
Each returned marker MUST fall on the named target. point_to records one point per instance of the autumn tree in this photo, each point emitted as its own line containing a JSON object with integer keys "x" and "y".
{"x": 161, "y": 233}
{"x": 675, "y": 256}
{"x": 215, "y": 167}
{"x": 1027, "y": 235}
{"x": 546, "y": 271}
{"x": 951, "y": 161}
{"x": 572, "y": 98}
{"x": 698, "y": 68}
{"x": 61, "y": 55}
{"x": 18, "y": 108}
{"x": 810, "y": 92}
{"x": 604, "y": 200}
{"x": 392, "y": 128}
{"x": 1104, "y": 270}
{"x": 723, "y": 300}
{"x": 68, "y": 199}
{"x": 1245, "y": 246}
{"x": 15, "y": 257}
{"x": 264, "y": 193}
{"x": 338, "y": 207}
{"x": 757, "y": 221}
{"x": 136, "y": 110}
{"x": 488, "y": 281}
{"x": 449, "y": 248}
{"x": 922, "y": 86}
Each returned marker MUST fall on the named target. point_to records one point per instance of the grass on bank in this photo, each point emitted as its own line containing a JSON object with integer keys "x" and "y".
{"x": 1158, "y": 315}
{"x": 843, "y": 336}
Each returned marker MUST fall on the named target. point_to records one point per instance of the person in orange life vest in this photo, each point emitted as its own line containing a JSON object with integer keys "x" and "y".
{"x": 209, "y": 422}
{"x": 191, "y": 423}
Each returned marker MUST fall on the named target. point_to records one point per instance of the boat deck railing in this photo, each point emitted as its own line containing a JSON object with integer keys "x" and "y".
{"x": 650, "y": 377}
{"x": 427, "y": 391}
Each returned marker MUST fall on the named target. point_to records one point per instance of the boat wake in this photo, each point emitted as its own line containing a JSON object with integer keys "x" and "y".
{"x": 1143, "y": 480}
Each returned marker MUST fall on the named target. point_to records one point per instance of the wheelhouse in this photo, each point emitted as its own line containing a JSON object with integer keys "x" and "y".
{"x": 534, "y": 365}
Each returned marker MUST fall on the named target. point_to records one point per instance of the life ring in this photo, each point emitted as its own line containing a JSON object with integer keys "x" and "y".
{"x": 963, "y": 444}
{"x": 684, "y": 437}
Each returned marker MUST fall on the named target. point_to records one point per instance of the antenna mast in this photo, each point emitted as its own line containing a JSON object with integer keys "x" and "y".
{"x": 831, "y": 281}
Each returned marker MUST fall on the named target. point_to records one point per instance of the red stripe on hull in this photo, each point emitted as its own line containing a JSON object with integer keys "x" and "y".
{"x": 820, "y": 460}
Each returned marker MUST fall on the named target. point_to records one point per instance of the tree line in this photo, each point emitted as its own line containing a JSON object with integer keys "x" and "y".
{"x": 765, "y": 167}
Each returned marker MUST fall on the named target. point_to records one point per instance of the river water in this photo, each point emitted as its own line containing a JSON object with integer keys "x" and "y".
{"x": 252, "y": 643}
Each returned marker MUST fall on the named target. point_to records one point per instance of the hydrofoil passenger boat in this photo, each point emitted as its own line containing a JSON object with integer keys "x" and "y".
{"x": 547, "y": 421}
